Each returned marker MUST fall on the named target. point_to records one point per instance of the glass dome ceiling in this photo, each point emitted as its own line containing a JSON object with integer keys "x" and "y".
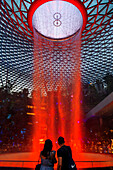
{"x": 16, "y": 39}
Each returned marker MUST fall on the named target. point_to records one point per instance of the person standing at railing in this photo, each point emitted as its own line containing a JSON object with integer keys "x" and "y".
{"x": 64, "y": 154}
{"x": 47, "y": 155}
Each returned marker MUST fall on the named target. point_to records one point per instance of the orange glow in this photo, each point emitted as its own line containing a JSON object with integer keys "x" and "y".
{"x": 76, "y": 131}
{"x": 30, "y": 113}
{"x": 56, "y": 100}
{"x": 29, "y": 106}
{"x": 30, "y": 123}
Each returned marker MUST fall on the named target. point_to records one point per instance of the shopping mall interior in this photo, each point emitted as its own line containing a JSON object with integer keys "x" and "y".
{"x": 56, "y": 79}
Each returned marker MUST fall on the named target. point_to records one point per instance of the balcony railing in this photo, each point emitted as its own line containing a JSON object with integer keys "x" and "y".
{"x": 32, "y": 164}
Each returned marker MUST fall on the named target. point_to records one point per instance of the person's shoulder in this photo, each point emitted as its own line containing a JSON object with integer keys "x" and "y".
{"x": 68, "y": 147}
{"x": 59, "y": 150}
{"x": 65, "y": 146}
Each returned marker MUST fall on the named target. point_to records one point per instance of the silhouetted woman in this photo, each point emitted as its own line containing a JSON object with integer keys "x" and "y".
{"x": 47, "y": 156}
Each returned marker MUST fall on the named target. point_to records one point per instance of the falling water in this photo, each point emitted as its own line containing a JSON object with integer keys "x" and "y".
{"x": 57, "y": 84}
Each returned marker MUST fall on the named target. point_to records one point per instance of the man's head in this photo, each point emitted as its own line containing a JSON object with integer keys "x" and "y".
{"x": 61, "y": 140}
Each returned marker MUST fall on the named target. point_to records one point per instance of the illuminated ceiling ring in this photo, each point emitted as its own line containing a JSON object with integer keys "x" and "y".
{"x": 99, "y": 16}
{"x": 36, "y": 4}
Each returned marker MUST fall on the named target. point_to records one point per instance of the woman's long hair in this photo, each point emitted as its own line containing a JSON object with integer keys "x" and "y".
{"x": 47, "y": 147}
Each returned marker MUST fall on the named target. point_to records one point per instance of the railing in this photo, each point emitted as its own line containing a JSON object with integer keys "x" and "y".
{"x": 32, "y": 164}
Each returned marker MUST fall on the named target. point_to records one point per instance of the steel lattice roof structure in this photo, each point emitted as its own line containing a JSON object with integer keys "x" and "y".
{"x": 16, "y": 39}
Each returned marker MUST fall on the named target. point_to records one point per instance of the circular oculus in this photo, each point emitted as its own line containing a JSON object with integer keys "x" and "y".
{"x": 57, "y": 19}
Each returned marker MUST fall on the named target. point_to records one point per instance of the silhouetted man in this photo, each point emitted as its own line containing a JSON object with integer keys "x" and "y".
{"x": 64, "y": 155}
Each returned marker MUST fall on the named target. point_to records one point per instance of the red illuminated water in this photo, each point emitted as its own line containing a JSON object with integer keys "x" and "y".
{"x": 57, "y": 84}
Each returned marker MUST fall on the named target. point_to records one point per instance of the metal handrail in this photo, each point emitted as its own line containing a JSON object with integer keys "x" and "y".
{"x": 22, "y": 166}
{"x": 40, "y": 161}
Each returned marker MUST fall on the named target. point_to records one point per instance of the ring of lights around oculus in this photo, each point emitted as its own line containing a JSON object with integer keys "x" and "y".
{"x": 57, "y": 19}
{"x": 42, "y": 16}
